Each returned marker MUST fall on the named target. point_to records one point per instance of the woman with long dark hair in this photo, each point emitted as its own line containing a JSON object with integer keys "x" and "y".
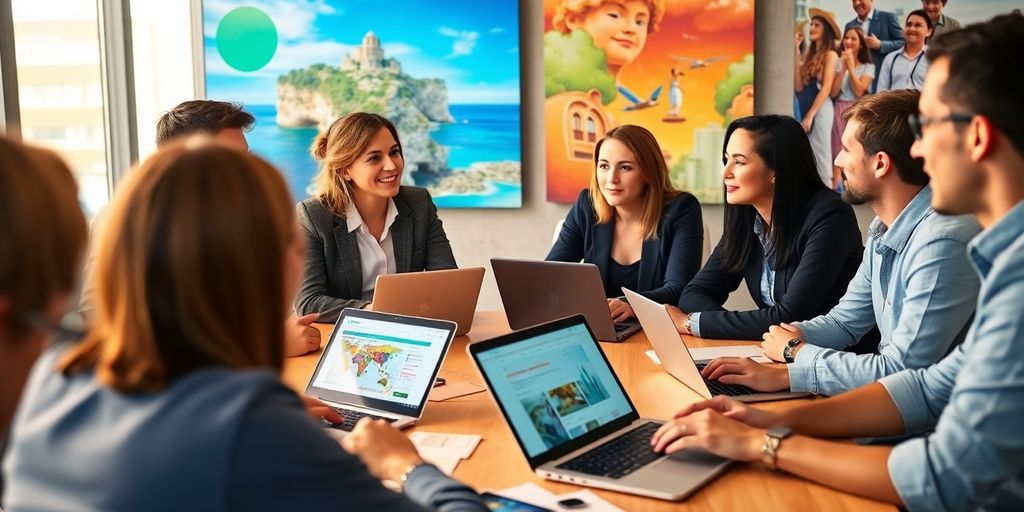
{"x": 794, "y": 241}
{"x": 813, "y": 85}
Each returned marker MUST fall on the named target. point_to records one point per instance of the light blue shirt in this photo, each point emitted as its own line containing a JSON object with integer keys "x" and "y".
{"x": 915, "y": 283}
{"x": 974, "y": 398}
{"x": 901, "y": 72}
{"x": 767, "y": 285}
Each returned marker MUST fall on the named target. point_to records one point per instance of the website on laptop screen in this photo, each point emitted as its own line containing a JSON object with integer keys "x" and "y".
{"x": 554, "y": 388}
{"x": 381, "y": 360}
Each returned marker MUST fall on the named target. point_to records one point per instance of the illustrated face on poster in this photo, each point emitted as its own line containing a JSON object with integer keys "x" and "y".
{"x": 680, "y": 68}
{"x": 448, "y": 78}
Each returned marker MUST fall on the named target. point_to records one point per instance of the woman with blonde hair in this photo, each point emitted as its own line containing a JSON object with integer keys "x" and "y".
{"x": 640, "y": 231}
{"x": 813, "y": 86}
{"x": 42, "y": 239}
{"x": 173, "y": 401}
{"x": 362, "y": 222}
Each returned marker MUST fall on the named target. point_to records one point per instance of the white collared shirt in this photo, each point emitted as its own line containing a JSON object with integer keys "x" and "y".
{"x": 866, "y": 22}
{"x": 375, "y": 257}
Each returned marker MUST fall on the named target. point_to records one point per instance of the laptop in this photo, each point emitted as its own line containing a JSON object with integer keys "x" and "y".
{"x": 574, "y": 421}
{"x": 534, "y": 292}
{"x": 676, "y": 359}
{"x": 441, "y": 294}
{"x": 380, "y": 365}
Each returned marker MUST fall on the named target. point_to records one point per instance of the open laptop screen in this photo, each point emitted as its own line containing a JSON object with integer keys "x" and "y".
{"x": 554, "y": 386}
{"x": 382, "y": 361}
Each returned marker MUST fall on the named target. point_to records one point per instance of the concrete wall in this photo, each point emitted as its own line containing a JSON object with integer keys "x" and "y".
{"x": 478, "y": 235}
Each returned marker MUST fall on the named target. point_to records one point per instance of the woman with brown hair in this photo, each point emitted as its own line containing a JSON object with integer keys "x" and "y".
{"x": 173, "y": 401}
{"x": 42, "y": 238}
{"x": 362, "y": 222}
{"x": 813, "y": 85}
{"x": 854, "y": 74}
{"x": 640, "y": 231}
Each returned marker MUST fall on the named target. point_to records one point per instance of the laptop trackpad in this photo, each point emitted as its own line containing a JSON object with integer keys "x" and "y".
{"x": 682, "y": 470}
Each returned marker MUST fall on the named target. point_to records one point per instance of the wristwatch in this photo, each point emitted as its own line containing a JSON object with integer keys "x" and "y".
{"x": 787, "y": 351}
{"x": 688, "y": 323}
{"x": 772, "y": 439}
{"x": 405, "y": 475}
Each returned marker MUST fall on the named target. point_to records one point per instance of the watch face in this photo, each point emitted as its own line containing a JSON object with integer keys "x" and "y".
{"x": 780, "y": 431}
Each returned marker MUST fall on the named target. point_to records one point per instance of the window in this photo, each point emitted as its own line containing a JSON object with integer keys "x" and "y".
{"x": 57, "y": 50}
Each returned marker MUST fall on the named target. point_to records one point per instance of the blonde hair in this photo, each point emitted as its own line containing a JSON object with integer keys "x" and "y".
{"x": 651, "y": 163}
{"x": 569, "y": 8}
{"x": 189, "y": 270}
{"x": 42, "y": 229}
{"x": 337, "y": 148}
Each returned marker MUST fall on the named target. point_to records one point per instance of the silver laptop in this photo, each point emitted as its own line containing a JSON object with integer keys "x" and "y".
{"x": 442, "y": 294}
{"x": 676, "y": 359}
{"x": 534, "y": 292}
{"x": 380, "y": 365}
{"x": 572, "y": 418}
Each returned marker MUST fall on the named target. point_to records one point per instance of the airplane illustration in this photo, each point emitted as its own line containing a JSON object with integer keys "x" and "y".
{"x": 697, "y": 63}
{"x": 688, "y": 37}
{"x": 639, "y": 104}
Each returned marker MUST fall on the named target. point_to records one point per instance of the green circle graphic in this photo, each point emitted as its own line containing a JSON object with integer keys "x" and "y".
{"x": 246, "y": 38}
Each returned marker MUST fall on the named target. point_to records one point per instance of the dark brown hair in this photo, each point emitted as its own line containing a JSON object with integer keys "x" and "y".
{"x": 985, "y": 75}
{"x": 201, "y": 116}
{"x": 884, "y": 128}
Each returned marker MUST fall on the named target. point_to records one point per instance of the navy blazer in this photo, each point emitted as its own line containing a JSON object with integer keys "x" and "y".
{"x": 334, "y": 274}
{"x": 886, "y": 27}
{"x": 667, "y": 263}
{"x": 829, "y": 250}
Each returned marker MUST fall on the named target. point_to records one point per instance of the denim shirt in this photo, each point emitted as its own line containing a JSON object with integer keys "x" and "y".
{"x": 915, "y": 283}
{"x": 973, "y": 398}
{"x": 767, "y": 285}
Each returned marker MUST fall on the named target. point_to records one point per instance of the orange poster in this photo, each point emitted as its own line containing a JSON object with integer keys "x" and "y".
{"x": 681, "y": 68}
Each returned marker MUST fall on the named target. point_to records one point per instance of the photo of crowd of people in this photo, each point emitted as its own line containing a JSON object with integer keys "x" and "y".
{"x": 846, "y": 49}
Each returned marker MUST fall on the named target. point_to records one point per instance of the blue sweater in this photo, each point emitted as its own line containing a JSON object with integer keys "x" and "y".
{"x": 216, "y": 439}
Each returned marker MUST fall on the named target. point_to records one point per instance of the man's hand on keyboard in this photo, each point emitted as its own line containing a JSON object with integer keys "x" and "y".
{"x": 319, "y": 410}
{"x": 744, "y": 371}
{"x": 710, "y": 430}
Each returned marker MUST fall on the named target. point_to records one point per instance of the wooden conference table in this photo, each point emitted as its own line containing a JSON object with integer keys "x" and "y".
{"x": 498, "y": 463}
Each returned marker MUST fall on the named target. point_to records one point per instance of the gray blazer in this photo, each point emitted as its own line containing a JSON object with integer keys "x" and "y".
{"x": 334, "y": 275}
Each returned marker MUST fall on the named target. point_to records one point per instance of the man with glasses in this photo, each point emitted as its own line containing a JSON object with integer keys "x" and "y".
{"x": 915, "y": 282}
{"x": 969, "y": 407}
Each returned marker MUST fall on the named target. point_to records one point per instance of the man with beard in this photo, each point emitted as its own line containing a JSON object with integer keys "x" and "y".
{"x": 914, "y": 283}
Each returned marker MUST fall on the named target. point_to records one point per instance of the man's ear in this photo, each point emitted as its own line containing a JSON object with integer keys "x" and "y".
{"x": 981, "y": 135}
{"x": 882, "y": 164}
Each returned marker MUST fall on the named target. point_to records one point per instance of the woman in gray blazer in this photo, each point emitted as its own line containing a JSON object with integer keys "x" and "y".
{"x": 362, "y": 223}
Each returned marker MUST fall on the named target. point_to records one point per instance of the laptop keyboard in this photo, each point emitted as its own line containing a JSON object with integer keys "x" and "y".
{"x": 717, "y": 388}
{"x": 618, "y": 457}
{"x": 350, "y": 417}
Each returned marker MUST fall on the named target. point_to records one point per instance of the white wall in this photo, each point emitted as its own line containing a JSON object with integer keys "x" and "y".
{"x": 478, "y": 235}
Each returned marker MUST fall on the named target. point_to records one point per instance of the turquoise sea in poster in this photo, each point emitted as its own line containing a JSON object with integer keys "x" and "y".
{"x": 480, "y": 133}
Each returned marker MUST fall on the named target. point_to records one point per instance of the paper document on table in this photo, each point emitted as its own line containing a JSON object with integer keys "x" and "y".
{"x": 445, "y": 462}
{"x": 707, "y": 354}
{"x": 458, "y": 445}
{"x": 536, "y": 495}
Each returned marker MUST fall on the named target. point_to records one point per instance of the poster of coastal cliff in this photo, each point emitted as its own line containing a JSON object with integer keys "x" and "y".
{"x": 446, "y": 73}
{"x": 680, "y": 68}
